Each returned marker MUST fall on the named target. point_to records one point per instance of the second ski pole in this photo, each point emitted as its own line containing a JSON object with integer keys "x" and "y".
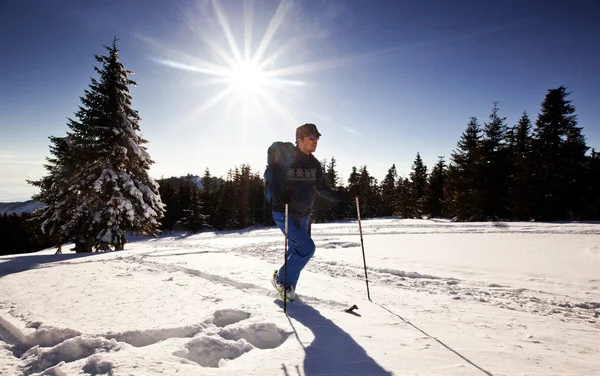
{"x": 285, "y": 261}
{"x": 362, "y": 245}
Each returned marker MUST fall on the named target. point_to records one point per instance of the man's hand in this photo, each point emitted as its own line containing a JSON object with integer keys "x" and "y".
{"x": 286, "y": 197}
{"x": 354, "y": 190}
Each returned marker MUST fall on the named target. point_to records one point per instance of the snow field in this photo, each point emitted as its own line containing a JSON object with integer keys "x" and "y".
{"x": 447, "y": 299}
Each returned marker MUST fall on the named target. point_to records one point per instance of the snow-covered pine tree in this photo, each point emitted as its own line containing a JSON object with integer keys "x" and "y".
{"x": 54, "y": 191}
{"x": 110, "y": 192}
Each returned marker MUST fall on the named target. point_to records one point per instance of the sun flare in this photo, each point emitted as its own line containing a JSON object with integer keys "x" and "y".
{"x": 246, "y": 78}
{"x": 249, "y": 75}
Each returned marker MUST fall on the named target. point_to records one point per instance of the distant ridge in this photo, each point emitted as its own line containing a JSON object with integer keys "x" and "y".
{"x": 19, "y": 207}
{"x": 30, "y": 205}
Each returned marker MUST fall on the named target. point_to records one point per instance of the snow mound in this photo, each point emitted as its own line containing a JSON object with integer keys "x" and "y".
{"x": 226, "y": 317}
{"x": 401, "y": 273}
{"x": 52, "y": 371}
{"x": 209, "y": 351}
{"x": 97, "y": 366}
{"x": 40, "y": 359}
{"x": 141, "y": 338}
{"x": 336, "y": 245}
{"x": 49, "y": 336}
{"x": 593, "y": 251}
{"x": 260, "y": 335}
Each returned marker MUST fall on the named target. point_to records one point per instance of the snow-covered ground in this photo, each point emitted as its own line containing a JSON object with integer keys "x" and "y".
{"x": 447, "y": 299}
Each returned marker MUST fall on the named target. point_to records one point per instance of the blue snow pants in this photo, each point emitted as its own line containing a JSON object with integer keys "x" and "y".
{"x": 300, "y": 246}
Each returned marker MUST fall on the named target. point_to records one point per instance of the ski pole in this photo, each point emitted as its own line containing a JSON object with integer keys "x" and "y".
{"x": 285, "y": 262}
{"x": 362, "y": 244}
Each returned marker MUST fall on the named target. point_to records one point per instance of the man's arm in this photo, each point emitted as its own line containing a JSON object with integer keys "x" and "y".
{"x": 323, "y": 188}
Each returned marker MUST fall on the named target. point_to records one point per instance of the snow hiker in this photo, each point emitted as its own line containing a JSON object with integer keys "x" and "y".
{"x": 292, "y": 176}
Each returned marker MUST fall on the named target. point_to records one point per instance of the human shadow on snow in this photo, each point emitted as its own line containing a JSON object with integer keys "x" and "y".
{"x": 333, "y": 351}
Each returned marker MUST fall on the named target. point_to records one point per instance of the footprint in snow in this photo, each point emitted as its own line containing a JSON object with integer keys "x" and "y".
{"x": 226, "y": 317}
{"x": 231, "y": 341}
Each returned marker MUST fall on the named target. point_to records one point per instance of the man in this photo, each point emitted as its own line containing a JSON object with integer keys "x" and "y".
{"x": 295, "y": 186}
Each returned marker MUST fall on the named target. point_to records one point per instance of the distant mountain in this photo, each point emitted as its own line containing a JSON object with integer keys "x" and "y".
{"x": 19, "y": 207}
{"x": 177, "y": 181}
{"x": 196, "y": 180}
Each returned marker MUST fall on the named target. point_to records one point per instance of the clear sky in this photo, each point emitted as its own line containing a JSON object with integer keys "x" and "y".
{"x": 218, "y": 81}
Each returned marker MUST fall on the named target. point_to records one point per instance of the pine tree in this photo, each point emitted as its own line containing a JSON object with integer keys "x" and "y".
{"x": 463, "y": 195}
{"x": 434, "y": 201}
{"x": 349, "y": 202}
{"x": 109, "y": 191}
{"x": 55, "y": 191}
{"x": 241, "y": 186}
{"x": 225, "y": 217}
{"x": 389, "y": 196}
{"x": 520, "y": 156}
{"x": 193, "y": 220}
{"x": 370, "y": 198}
{"x": 207, "y": 192}
{"x": 354, "y": 177}
{"x": 333, "y": 180}
{"x": 169, "y": 194}
{"x": 258, "y": 203}
{"x": 418, "y": 179}
{"x": 406, "y": 204}
{"x": 559, "y": 151}
{"x": 592, "y": 185}
{"x": 331, "y": 174}
{"x": 323, "y": 208}
{"x": 494, "y": 169}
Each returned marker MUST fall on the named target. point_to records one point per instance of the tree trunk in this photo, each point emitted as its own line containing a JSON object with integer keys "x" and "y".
{"x": 82, "y": 246}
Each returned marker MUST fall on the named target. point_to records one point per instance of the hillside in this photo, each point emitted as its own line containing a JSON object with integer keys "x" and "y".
{"x": 19, "y": 207}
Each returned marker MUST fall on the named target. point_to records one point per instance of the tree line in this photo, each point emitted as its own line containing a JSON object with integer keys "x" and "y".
{"x": 542, "y": 171}
{"x": 97, "y": 189}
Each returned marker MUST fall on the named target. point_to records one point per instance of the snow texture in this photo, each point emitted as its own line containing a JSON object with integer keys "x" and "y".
{"x": 447, "y": 298}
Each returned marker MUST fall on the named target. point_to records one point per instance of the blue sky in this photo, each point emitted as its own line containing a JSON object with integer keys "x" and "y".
{"x": 382, "y": 80}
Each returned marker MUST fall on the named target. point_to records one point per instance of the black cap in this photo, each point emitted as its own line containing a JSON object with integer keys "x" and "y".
{"x": 306, "y": 130}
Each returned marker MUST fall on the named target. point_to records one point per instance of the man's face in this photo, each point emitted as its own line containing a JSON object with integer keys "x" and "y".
{"x": 308, "y": 144}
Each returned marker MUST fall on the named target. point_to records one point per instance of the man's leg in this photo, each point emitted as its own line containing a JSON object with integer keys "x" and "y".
{"x": 300, "y": 246}
{"x": 306, "y": 247}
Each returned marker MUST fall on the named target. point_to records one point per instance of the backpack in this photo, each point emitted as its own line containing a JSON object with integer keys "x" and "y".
{"x": 281, "y": 153}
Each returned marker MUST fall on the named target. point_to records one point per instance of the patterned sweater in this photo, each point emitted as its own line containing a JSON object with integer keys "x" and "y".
{"x": 301, "y": 179}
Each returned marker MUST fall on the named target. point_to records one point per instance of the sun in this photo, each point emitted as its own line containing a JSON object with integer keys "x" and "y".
{"x": 246, "y": 78}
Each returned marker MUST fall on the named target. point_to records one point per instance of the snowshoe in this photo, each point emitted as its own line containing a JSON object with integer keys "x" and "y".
{"x": 290, "y": 294}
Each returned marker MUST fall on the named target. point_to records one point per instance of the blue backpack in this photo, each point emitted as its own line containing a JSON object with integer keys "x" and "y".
{"x": 281, "y": 153}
